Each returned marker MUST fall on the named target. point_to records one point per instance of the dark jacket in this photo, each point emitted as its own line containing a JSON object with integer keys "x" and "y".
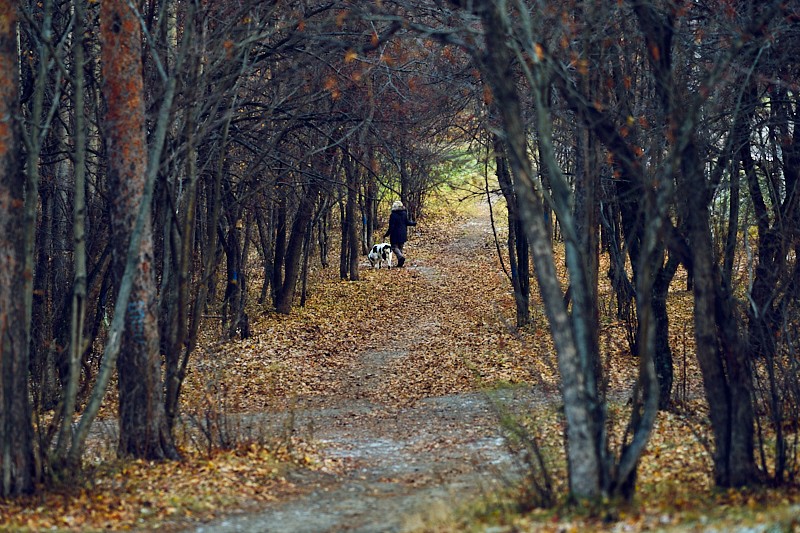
{"x": 398, "y": 223}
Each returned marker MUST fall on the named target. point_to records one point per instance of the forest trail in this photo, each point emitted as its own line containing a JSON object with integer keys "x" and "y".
{"x": 411, "y": 448}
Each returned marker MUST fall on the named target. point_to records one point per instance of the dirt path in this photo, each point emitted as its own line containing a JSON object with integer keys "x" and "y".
{"x": 407, "y": 463}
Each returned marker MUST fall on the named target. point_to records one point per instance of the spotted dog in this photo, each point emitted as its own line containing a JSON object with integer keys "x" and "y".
{"x": 380, "y": 253}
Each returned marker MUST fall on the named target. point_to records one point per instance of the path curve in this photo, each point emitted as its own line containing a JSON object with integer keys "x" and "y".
{"x": 405, "y": 465}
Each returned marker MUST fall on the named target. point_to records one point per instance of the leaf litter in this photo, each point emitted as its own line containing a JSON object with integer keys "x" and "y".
{"x": 313, "y": 392}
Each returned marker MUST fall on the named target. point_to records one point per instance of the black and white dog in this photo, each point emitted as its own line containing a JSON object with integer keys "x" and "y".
{"x": 380, "y": 253}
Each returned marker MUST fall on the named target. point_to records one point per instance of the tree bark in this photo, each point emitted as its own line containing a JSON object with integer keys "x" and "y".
{"x": 79, "y": 290}
{"x": 266, "y": 239}
{"x": 586, "y": 200}
{"x": 294, "y": 249}
{"x": 143, "y": 428}
{"x": 39, "y": 125}
{"x": 726, "y": 374}
{"x": 586, "y": 472}
{"x": 518, "y": 251}
{"x": 344, "y": 251}
{"x": 662, "y": 352}
{"x": 17, "y": 471}
{"x": 279, "y": 217}
{"x": 370, "y": 204}
{"x": 350, "y": 214}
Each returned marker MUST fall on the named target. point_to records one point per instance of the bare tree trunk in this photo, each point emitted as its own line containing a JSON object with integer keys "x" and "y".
{"x": 242, "y": 320}
{"x": 280, "y": 249}
{"x": 39, "y": 124}
{"x": 587, "y": 223}
{"x": 323, "y": 238}
{"x": 294, "y": 249}
{"x": 662, "y": 352}
{"x": 586, "y": 472}
{"x": 370, "y": 206}
{"x": 44, "y": 384}
{"x": 308, "y": 245}
{"x": 143, "y": 429}
{"x": 189, "y": 319}
{"x": 179, "y": 327}
{"x": 323, "y": 223}
{"x": 265, "y": 237}
{"x": 78, "y": 308}
{"x": 777, "y": 221}
{"x": 726, "y": 374}
{"x": 350, "y": 214}
{"x": 518, "y": 251}
{"x": 17, "y": 471}
{"x": 344, "y": 252}
{"x": 231, "y": 243}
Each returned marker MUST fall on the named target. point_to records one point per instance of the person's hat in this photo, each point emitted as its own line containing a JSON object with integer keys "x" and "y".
{"x": 397, "y": 205}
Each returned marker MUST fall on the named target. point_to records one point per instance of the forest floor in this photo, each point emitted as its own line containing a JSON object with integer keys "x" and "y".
{"x": 388, "y": 404}
{"x": 399, "y": 381}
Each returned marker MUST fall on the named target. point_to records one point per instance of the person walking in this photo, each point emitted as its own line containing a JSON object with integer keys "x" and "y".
{"x": 398, "y": 232}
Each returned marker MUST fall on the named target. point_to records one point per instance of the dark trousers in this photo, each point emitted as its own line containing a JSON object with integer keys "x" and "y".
{"x": 397, "y": 248}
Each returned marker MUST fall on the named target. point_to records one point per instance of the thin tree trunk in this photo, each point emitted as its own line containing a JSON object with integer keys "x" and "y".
{"x": 294, "y": 249}
{"x": 78, "y": 314}
{"x": 344, "y": 252}
{"x": 209, "y": 262}
{"x": 267, "y": 253}
{"x": 518, "y": 251}
{"x": 323, "y": 223}
{"x": 586, "y": 225}
{"x": 44, "y": 384}
{"x": 576, "y": 369}
{"x": 38, "y": 128}
{"x": 662, "y": 353}
{"x": 307, "y": 246}
{"x": 181, "y": 314}
{"x": 242, "y": 320}
{"x": 233, "y": 257}
{"x": 280, "y": 249}
{"x": 370, "y": 205}
{"x": 350, "y": 215}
